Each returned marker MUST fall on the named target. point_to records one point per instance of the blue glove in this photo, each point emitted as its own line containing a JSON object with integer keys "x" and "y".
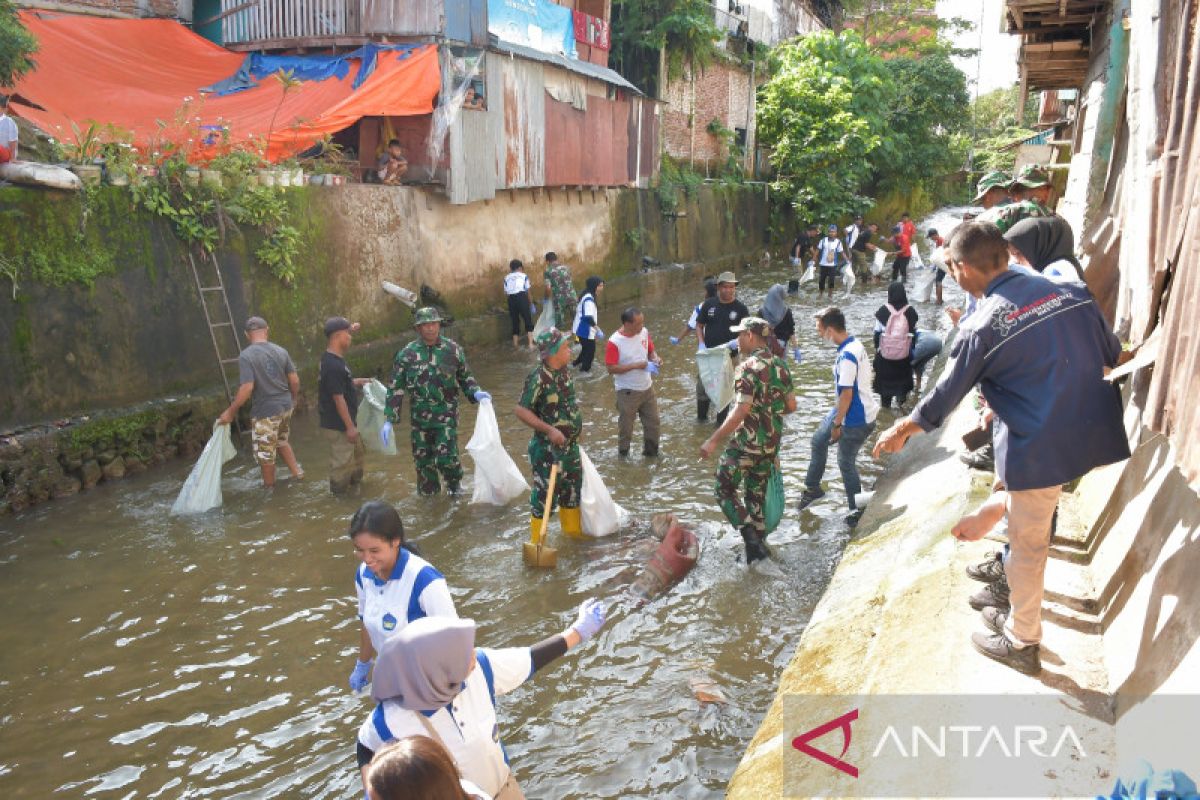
{"x": 651, "y": 367}
{"x": 701, "y": 348}
{"x": 481, "y": 395}
{"x": 385, "y": 433}
{"x": 732, "y": 345}
{"x": 359, "y": 678}
{"x": 674, "y": 340}
{"x": 796, "y": 354}
{"x": 592, "y": 614}
{"x": 532, "y": 307}
{"x": 599, "y": 334}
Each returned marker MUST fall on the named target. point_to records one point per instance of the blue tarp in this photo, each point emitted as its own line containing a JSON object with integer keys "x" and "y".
{"x": 539, "y": 24}
{"x": 306, "y": 68}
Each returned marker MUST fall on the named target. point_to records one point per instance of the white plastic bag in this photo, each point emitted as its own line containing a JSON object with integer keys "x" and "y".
{"x": 878, "y": 262}
{"x": 809, "y": 273}
{"x": 601, "y": 516}
{"x": 923, "y": 285}
{"x": 716, "y": 375}
{"x": 916, "y": 262}
{"x": 497, "y": 479}
{"x": 202, "y": 489}
{"x": 848, "y": 278}
{"x": 372, "y": 416}
{"x": 545, "y": 320}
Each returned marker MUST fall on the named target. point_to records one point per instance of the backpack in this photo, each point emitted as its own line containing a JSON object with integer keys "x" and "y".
{"x": 894, "y": 344}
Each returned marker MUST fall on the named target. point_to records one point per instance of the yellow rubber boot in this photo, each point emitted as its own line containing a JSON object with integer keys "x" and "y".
{"x": 535, "y": 527}
{"x": 571, "y": 521}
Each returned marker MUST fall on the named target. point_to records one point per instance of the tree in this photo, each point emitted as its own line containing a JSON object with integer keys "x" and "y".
{"x": 822, "y": 114}
{"x": 903, "y": 27}
{"x": 929, "y": 106}
{"x": 17, "y": 45}
{"x": 995, "y": 125}
{"x": 684, "y": 31}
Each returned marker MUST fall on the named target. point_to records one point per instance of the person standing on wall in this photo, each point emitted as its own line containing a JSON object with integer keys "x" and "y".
{"x": 431, "y": 370}
{"x": 557, "y": 285}
{"x": 584, "y": 325}
{"x": 850, "y": 421}
{"x": 266, "y": 374}
{"x": 395, "y": 586}
{"x": 831, "y": 255}
{"x": 516, "y": 289}
{"x": 550, "y": 407}
{"x": 718, "y": 317}
{"x": 631, "y": 360}
{"x": 9, "y": 135}
{"x": 1038, "y": 351}
{"x": 763, "y": 386}
{"x": 337, "y": 406}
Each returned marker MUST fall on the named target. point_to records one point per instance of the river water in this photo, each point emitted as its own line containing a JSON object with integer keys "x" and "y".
{"x": 147, "y": 656}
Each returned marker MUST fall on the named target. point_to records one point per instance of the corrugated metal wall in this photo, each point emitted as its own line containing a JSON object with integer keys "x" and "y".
{"x": 521, "y": 147}
{"x": 587, "y": 148}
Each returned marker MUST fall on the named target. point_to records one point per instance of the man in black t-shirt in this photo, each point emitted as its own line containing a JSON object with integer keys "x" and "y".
{"x": 858, "y": 245}
{"x": 337, "y": 407}
{"x": 718, "y": 315}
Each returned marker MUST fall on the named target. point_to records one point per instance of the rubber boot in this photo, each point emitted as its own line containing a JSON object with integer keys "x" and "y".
{"x": 535, "y": 527}
{"x": 702, "y": 405}
{"x": 571, "y": 521}
{"x": 756, "y": 548}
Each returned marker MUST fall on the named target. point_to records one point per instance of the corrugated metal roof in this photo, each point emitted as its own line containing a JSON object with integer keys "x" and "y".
{"x": 574, "y": 65}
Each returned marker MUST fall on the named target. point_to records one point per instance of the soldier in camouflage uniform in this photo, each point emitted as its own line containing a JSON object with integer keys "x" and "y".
{"x": 1030, "y": 190}
{"x": 557, "y": 279}
{"x": 430, "y": 371}
{"x": 549, "y": 406}
{"x": 992, "y": 189}
{"x": 764, "y": 394}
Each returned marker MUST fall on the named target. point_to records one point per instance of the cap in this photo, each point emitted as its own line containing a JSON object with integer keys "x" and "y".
{"x": 335, "y": 324}
{"x": 990, "y": 181}
{"x": 256, "y": 324}
{"x": 427, "y": 314}
{"x": 896, "y": 229}
{"x": 727, "y": 277}
{"x": 754, "y": 325}
{"x": 1031, "y": 176}
{"x": 549, "y": 342}
{"x": 832, "y": 227}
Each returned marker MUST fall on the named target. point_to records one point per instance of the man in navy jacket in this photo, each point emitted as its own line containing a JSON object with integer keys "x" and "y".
{"x": 1037, "y": 350}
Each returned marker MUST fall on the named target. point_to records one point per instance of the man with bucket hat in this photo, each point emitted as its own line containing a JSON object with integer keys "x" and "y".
{"x": 430, "y": 371}
{"x": 763, "y": 385}
{"x": 549, "y": 405}
{"x": 992, "y": 189}
{"x": 714, "y": 328}
{"x": 1029, "y": 189}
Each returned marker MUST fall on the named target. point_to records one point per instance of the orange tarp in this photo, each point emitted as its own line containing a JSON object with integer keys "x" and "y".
{"x": 145, "y": 76}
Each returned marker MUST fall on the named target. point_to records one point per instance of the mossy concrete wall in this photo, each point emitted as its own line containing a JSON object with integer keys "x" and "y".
{"x": 105, "y": 312}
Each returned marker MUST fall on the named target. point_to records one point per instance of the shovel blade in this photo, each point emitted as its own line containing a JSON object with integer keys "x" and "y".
{"x": 539, "y": 555}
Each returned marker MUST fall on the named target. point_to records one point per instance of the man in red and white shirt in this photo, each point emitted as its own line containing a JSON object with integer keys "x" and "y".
{"x": 632, "y": 362}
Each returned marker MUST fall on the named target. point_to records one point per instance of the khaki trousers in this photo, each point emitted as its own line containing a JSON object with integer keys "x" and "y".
{"x": 1029, "y": 516}
{"x": 345, "y": 460}
{"x": 510, "y": 790}
{"x": 632, "y": 404}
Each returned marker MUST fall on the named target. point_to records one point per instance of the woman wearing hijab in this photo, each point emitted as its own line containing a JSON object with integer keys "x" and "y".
{"x": 776, "y": 312}
{"x": 585, "y": 326}
{"x": 431, "y": 680}
{"x": 893, "y": 373}
{"x": 1045, "y": 245}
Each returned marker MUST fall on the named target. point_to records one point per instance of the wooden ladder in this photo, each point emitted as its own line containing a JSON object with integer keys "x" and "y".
{"x": 219, "y": 321}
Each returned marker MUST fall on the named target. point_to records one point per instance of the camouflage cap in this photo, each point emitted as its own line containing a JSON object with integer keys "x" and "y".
{"x": 426, "y": 314}
{"x": 549, "y": 342}
{"x": 1031, "y": 176}
{"x": 754, "y": 325}
{"x": 992, "y": 180}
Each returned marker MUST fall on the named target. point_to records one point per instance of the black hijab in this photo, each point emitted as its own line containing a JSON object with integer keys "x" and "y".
{"x": 897, "y": 297}
{"x": 593, "y": 283}
{"x": 1043, "y": 240}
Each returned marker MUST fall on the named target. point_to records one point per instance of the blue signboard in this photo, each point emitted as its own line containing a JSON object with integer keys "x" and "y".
{"x": 539, "y": 24}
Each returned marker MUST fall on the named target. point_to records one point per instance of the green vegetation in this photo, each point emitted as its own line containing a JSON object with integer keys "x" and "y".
{"x": 684, "y": 31}
{"x": 17, "y": 45}
{"x": 113, "y": 432}
{"x": 673, "y": 176}
{"x": 995, "y": 119}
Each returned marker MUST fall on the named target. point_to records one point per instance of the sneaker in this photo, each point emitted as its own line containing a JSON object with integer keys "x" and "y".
{"x": 994, "y": 618}
{"x": 990, "y": 570}
{"x": 997, "y": 647}
{"x": 853, "y": 517}
{"x": 984, "y": 458}
{"x": 809, "y": 496}
{"x": 994, "y": 594}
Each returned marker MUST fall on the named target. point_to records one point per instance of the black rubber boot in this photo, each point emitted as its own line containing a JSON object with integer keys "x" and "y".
{"x": 649, "y": 449}
{"x": 702, "y": 405}
{"x": 756, "y": 548}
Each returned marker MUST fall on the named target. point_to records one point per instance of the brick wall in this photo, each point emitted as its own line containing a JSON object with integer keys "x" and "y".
{"x": 721, "y": 92}
{"x": 123, "y": 8}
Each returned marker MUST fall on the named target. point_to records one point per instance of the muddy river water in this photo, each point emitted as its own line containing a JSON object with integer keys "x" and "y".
{"x": 147, "y": 656}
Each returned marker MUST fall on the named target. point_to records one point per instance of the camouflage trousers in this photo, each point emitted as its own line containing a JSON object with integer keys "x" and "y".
{"x": 570, "y": 475}
{"x": 435, "y": 453}
{"x": 742, "y": 487}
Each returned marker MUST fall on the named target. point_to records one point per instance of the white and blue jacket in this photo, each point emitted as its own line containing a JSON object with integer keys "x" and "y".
{"x": 852, "y": 370}
{"x": 586, "y": 314}
{"x": 414, "y": 590}
{"x": 1037, "y": 349}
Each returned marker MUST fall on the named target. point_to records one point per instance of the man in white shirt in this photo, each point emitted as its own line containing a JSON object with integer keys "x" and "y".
{"x": 631, "y": 360}
{"x": 8, "y": 133}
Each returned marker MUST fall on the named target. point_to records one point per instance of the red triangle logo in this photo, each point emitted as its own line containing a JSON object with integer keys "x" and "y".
{"x": 801, "y": 743}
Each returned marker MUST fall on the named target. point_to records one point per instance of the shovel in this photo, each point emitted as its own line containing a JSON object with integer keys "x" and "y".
{"x": 536, "y": 554}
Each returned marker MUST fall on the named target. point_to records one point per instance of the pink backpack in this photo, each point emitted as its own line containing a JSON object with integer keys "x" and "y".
{"x": 894, "y": 343}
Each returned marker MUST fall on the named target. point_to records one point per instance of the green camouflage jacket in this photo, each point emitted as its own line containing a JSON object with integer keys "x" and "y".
{"x": 1009, "y": 214}
{"x": 431, "y": 376}
{"x": 763, "y": 381}
{"x": 550, "y": 394}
